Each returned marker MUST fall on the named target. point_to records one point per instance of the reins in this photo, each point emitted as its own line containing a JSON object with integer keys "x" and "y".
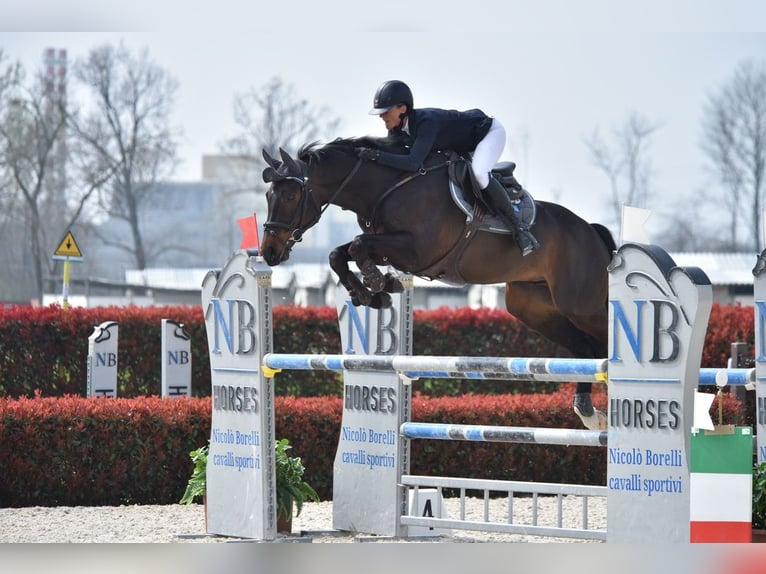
{"x": 296, "y": 234}
{"x": 369, "y": 222}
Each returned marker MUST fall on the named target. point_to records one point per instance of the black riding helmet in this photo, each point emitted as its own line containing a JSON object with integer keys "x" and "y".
{"x": 390, "y": 94}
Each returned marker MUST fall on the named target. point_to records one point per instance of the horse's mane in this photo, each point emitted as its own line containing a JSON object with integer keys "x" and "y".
{"x": 315, "y": 151}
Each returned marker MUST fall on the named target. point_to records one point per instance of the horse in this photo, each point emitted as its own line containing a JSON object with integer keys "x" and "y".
{"x": 410, "y": 223}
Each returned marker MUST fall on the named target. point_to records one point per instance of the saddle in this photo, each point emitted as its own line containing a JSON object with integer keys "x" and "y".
{"x": 466, "y": 194}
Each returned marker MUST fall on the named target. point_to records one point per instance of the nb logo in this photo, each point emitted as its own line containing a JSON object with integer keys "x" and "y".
{"x": 236, "y": 325}
{"x": 660, "y": 317}
{"x": 178, "y": 357}
{"x": 369, "y": 331}
{"x": 106, "y": 359}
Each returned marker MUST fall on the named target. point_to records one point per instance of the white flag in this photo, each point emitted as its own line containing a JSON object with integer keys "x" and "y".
{"x": 702, "y": 420}
{"x": 633, "y": 221}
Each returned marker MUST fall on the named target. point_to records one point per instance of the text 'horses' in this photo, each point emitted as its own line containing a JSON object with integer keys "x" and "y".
{"x": 409, "y": 222}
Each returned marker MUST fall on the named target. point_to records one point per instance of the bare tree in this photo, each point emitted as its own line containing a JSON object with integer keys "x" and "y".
{"x": 625, "y": 161}
{"x": 43, "y": 202}
{"x": 680, "y": 228}
{"x": 268, "y": 118}
{"x": 128, "y": 131}
{"x": 734, "y": 138}
{"x": 10, "y": 78}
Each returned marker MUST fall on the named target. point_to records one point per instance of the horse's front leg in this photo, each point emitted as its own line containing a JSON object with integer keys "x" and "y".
{"x": 369, "y": 251}
{"x": 339, "y": 258}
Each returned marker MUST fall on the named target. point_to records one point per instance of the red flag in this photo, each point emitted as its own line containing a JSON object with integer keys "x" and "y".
{"x": 249, "y": 227}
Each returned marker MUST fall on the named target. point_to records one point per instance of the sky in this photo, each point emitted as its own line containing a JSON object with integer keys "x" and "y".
{"x": 551, "y": 71}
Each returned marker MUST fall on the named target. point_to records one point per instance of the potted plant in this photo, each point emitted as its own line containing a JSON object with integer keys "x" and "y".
{"x": 759, "y": 502}
{"x": 197, "y": 484}
{"x": 292, "y": 490}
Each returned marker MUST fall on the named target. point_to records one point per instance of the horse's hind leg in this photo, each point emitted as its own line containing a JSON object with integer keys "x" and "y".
{"x": 532, "y": 304}
{"x": 588, "y": 315}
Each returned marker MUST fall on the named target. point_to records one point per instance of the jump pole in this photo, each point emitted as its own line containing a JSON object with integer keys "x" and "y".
{"x": 532, "y": 369}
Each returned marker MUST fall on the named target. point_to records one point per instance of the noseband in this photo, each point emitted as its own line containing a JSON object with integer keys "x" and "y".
{"x": 296, "y": 233}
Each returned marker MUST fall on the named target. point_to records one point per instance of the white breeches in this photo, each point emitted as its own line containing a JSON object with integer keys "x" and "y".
{"x": 487, "y": 152}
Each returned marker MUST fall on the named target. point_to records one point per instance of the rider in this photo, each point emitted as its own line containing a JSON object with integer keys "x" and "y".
{"x": 432, "y": 129}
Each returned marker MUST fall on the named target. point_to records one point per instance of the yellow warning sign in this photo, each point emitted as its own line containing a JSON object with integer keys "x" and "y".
{"x": 68, "y": 247}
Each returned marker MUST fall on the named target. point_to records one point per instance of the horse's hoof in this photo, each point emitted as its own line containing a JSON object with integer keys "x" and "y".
{"x": 597, "y": 421}
{"x": 593, "y": 419}
{"x": 360, "y": 297}
{"x": 375, "y": 282}
{"x": 393, "y": 285}
{"x": 381, "y": 301}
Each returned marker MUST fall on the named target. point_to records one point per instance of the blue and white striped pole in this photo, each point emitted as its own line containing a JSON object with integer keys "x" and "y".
{"x": 486, "y": 433}
{"x": 490, "y": 368}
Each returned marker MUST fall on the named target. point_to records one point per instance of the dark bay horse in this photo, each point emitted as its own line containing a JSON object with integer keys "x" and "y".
{"x": 409, "y": 222}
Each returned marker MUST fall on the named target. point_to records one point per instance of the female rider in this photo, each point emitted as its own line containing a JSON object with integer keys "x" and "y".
{"x": 432, "y": 129}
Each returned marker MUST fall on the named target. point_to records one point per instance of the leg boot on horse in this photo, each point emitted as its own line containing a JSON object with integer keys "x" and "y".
{"x": 591, "y": 417}
{"x": 499, "y": 198}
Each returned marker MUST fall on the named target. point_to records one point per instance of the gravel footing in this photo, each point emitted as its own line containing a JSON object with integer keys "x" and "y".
{"x": 186, "y": 524}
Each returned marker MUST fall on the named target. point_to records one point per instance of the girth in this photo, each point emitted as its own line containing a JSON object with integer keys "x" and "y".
{"x": 446, "y": 268}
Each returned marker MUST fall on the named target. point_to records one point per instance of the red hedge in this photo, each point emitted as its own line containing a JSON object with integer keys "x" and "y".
{"x": 45, "y": 349}
{"x": 75, "y": 451}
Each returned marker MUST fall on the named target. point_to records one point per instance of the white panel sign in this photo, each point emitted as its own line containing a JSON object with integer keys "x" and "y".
{"x": 759, "y": 287}
{"x": 240, "y": 473}
{"x": 654, "y": 363}
{"x": 430, "y": 504}
{"x": 370, "y": 454}
{"x": 176, "y": 360}
{"x": 102, "y": 360}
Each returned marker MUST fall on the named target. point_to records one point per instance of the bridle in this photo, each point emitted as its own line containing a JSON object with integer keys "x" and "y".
{"x": 307, "y": 201}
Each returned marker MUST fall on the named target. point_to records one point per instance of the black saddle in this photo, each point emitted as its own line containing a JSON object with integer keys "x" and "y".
{"x": 503, "y": 172}
{"x": 465, "y": 193}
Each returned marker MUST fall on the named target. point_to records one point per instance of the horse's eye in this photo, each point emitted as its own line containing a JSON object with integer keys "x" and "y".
{"x": 290, "y": 195}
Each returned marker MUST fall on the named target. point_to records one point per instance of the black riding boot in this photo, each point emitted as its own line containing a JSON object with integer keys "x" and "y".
{"x": 499, "y": 197}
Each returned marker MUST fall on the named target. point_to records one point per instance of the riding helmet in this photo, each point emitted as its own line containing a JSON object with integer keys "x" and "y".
{"x": 390, "y": 94}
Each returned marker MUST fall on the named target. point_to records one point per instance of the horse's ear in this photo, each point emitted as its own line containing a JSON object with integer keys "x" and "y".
{"x": 292, "y": 166}
{"x": 270, "y": 174}
{"x": 270, "y": 160}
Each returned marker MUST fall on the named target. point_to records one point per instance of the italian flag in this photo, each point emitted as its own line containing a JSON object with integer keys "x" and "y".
{"x": 721, "y": 485}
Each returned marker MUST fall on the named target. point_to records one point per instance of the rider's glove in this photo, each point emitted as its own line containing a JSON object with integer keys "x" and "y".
{"x": 366, "y": 153}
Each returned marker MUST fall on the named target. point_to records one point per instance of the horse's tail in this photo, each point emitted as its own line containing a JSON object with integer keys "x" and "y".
{"x": 606, "y": 236}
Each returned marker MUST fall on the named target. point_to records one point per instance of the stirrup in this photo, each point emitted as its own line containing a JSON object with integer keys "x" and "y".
{"x": 527, "y": 242}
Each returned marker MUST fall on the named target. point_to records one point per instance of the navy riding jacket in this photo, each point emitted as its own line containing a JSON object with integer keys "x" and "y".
{"x": 433, "y": 129}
